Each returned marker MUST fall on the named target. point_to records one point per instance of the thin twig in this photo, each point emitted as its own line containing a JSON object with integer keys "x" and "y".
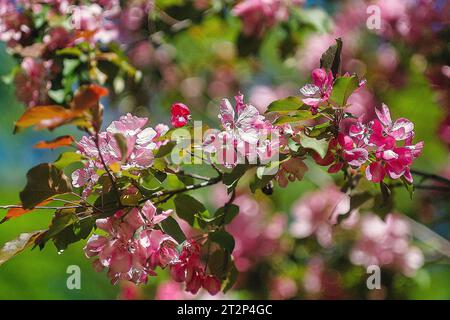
{"x": 171, "y": 193}
{"x": 194, "y": 176}
{"x": 423, "y": 187}
{"x": 431, "y": 176}
{"x": 40, "y": 207}
{"x": 113, "y": 181}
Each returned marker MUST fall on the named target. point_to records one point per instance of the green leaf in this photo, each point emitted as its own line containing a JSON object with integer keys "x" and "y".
{"x": 288, "y": 104}
{"x": 57, "y": 95}
{"x": 107, "y": 203}
{"x": 331, "y": 59}
{"x": 66, "y": 228}
{"x": 190, "y": 210}
{"x": 67, "y": 158}
{"x": 72, "y": 51}
{"x": 224, "y": 215}
{"x": 343, "y": 89}
{"x": 14, "y": 247}
{"x": 43, "y": 181}
{"x": 172, "y": 228}
{"x": 385, "y": 191}
{"x": 231, "y": 278}
{"x": 219, "y": 263}
{"x": 293, "y": 145}
{"x": 69, "y": 66}
{"x": 151, "y": 183}
{"x": 269, "y": 169}
{"x": 159, "y": 175}
{"x": 300, "y": 115}
{"x": 122, "y": 143}
{"x": 320, "y": 146}
{"x": 409, "y": 187}
{"x": 223, "y": 239}
{"x": 164, "y": 150}
{"x": 231, "y": 179}
{"x": 319, "y": 130}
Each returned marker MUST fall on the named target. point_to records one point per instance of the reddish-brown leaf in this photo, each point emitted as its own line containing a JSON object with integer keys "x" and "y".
{"x": 48, "y": 117}
{"x": 85, "y": 34}
{"x": 56, "y": 143}
{"x": 87, "y": 97}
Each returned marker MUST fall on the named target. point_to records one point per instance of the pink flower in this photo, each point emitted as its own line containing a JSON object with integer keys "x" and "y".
{"x": 401, "y": 129}
{"x": 319, "y": 91}
{"x": 386, "y": 243}
{"x": 93, "y": 18}
{"x": 317, "y": 212}
{"x": 261, "y": 95}
{"x": 240, "y": 121}
{"x": 57, "y": 38}
{"x": 15, "y": 26}
{"x": 383, "y": 146}
{"x": 211, "y": 284}
{"x": 391, "y": 159}
{"x": 86, "y": 178}
{"x": 180, "y": 115}
{"x": 282, "y": 288}
{"x": 189, "y": 269}
{"x": 32, "y": 82}
{"x": 258, "y": 15}
{"x": 320, "y": 281}
{"x": 140, "y": 144}
{"x": 132, "y": 248}
{"x": 247, "y": 135}
{"x": 352, "y": 154}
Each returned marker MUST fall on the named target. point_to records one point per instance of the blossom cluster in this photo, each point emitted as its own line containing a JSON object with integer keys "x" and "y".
{"x": 386, "y": 243}
{"x": 413, "y": 23}
{"x": 104, "y": 149}
{"x": 246, "y": 135}
{"x": 316, "y": 213}
{"x": 189, "y": 268}
{"x": 133, "y": 248}
{"x": 381, "y": 146}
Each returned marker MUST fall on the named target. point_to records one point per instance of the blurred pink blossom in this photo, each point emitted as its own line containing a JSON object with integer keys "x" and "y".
{"x": 258, "y": 15}
{"x": 282, "y": 288}
{"x": 320, "y": 282}
{"x": 261, "y": 95}
{"x": 317, "y": 212}
{"x": 32, "y": 82}
{"x": 386, "y": 243}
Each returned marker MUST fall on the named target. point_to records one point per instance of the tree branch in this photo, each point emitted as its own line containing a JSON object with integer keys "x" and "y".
{"x": 113, "y": 181}
{"x": 431, "y": 176}
{"x": 171, "y": 193}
